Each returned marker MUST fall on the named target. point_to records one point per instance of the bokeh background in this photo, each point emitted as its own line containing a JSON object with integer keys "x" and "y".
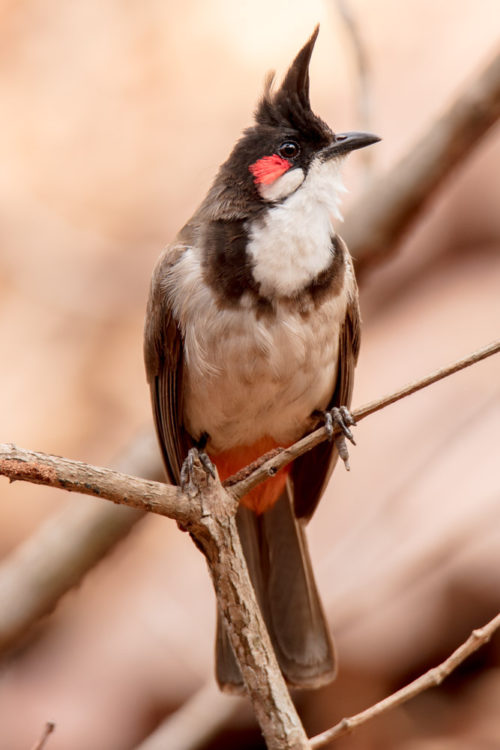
{"x": 115, "y": 117}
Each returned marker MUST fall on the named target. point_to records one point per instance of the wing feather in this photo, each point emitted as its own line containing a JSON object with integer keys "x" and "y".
{"x": 164, "y": 359}
{"x": 311, "y": 472}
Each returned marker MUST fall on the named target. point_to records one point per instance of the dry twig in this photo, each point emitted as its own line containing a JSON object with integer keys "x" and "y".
{"x": 433, "y": 677}
{"x": 286, "y": 455}
{"x": 48, "y": 729}
{"x": 167, "y": 500}
{"x": 207, "y": 712}
{"x": 212, "y": 524}
{"x": 208, "y": 513}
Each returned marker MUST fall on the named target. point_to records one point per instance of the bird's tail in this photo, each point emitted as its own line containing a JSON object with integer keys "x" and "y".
{"x": 276, "y": 552}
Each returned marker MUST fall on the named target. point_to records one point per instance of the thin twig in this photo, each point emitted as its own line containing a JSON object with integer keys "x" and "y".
{"x": 205, "y": 712}
{"x": 208, "y": 513}
{"x": 443, "y": 372}
{"x": 48, "y": 729}
{"x": 286, "y": 455}
{"x": 167, "y": 500}
{"x": 155, "y": 497}
{"x": 433, "y": 677}
{"x": 387, "y": 209}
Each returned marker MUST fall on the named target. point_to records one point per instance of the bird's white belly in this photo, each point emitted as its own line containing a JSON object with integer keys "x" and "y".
{"x": 250, "y": 376}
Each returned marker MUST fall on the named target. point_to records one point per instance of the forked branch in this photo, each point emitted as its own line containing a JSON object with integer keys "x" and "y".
{"x": 208, "y": 513}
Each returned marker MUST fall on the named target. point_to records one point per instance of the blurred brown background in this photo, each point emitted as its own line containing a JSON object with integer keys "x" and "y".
{"x": 115, "y": 117}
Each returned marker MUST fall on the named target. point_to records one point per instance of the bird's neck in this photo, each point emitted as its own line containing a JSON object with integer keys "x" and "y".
{"x": 291, "y": 243}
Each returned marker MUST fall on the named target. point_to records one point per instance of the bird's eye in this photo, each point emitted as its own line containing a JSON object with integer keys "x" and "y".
{"x": 289, "y": 149}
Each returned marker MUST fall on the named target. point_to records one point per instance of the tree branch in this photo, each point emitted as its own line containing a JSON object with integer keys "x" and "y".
{"x": 168, "y": 500}
{"x": 207, "y": 511}
{"x": 76, "y": 476}
{"x": 207, "y": 711}
{"x": 431, "y": 678}
{"x": 214, "y": 529}
{"x": 280, "y": 459}
{"x": 392, "y": 202}
{"x": 48, "y": 729}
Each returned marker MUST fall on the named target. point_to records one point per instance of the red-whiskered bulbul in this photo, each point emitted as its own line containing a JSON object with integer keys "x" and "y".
{"x": 252, "y": 331}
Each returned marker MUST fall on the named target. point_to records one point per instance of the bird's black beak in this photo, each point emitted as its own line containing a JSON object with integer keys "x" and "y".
{"x": 344, "y": 143}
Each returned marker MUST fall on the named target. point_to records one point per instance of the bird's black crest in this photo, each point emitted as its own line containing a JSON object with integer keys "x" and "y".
{"x": 289, "y": 105}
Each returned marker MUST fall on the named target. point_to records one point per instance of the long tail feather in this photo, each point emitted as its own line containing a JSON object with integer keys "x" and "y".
{"x": 278, "y": 560}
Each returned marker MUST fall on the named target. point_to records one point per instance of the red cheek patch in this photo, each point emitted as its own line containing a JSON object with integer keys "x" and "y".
{"x": 268, "y": 169}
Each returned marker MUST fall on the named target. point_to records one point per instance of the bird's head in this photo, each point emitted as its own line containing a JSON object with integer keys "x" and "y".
{"x": 273, "y": 158}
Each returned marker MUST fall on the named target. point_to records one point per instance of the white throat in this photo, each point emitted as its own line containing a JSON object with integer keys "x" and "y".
{"x": 292, "y": 243}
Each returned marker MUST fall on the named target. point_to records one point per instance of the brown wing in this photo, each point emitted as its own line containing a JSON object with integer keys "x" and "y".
{"x": 311, "y": 472}
{"x": 163, "y": 355}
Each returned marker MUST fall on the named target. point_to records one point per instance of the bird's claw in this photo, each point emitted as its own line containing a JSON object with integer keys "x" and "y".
{"x": 207, "y": 463}
{"x": 188, "y": 468}
{"x": 341, "y": 417}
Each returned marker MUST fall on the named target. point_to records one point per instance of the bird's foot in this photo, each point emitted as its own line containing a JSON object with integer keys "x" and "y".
{"x": 341, "y": 417}
{"x": 196, "y": 457}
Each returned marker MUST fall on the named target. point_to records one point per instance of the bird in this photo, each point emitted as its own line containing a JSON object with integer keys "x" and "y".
{"x": 251, "y": 339}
